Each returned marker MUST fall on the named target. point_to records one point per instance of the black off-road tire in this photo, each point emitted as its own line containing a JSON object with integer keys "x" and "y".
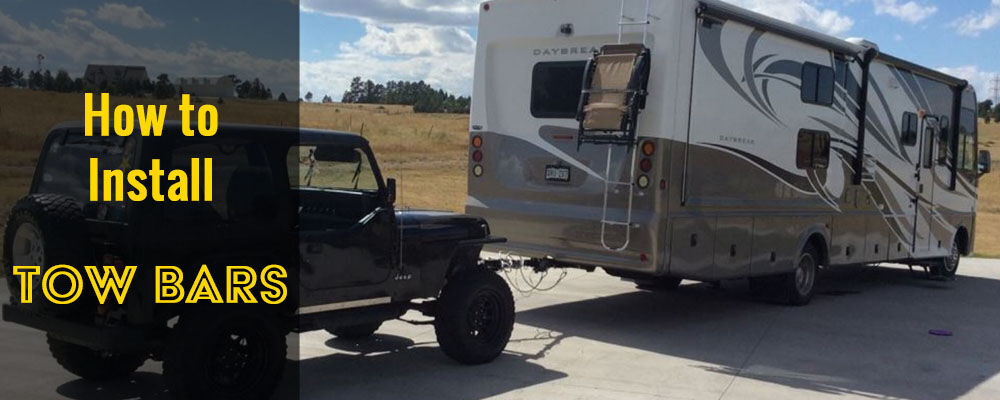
{"x": 93, "y": 365}
{"x": 228, "y": 354}
{"x": 474, "y": 316}
{"x": 948, "y": 266}
{"x": 59, "y": 221}
{"x": 355, "y": 332}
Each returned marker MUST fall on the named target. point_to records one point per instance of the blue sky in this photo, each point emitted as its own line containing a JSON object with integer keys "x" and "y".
{"x": 344, "y": 38}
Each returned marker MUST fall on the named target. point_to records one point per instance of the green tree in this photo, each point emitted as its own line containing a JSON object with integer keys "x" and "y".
{"x": 163, "y": 89}
{"x": 309, "y": 96}
{"x": 281, "y": 97}
{"x": 63, "y": 83}
{"x": 985, "y": 110}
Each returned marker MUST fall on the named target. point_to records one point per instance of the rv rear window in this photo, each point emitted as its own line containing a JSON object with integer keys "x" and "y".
{"x": 555, "y": 88}
{"x": 817, "y": 84}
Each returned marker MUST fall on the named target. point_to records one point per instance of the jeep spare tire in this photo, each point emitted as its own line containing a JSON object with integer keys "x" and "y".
{"x": 44, "y": 230}
{"x": 474, "y": 316}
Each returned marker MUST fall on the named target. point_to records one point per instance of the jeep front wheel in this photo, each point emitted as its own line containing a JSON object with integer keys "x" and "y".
{"x": 474, "y": 316}
{"x": 93, "y": 365}
{"x": 226, "y": 355}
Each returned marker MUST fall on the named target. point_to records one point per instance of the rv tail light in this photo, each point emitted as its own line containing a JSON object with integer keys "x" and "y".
{"x": 648, "y": 148}
{"x": 663, "y": 184}
{"x": 477, "y": 141}
{"x": 477, "y": 170}
{"x": 477, "y": 156}
{"x": 645, "y": 165}
{"x": 643, "y": 181}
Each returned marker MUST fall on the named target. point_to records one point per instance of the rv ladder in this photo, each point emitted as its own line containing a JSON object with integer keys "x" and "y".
{"x": 608, "y": 184}
{"x": 624, "y": 20}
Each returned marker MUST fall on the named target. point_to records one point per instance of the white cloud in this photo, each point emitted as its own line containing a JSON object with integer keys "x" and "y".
{"x": 441, "y": 56}
{"x": 979, "y": 79}
{"x": 976, "y": 23}
{"x": 800, "y": 12}
{"x": 75, "y": 12}
{"x": 129, "y": 17}
{"x": 427, "y": 12}
{"x": 909, "y": 11}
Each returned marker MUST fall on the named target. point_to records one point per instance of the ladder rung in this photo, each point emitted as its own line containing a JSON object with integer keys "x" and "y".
{"x": 624, "y": 23}
{"x": 618, "y": 223}
{"x": 619, "y": 183}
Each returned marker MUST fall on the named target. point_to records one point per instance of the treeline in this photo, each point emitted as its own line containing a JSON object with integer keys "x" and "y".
{"x": 989, "y": 112}
{"x": 160, "y": 88}
{"x": 423, "y": 97}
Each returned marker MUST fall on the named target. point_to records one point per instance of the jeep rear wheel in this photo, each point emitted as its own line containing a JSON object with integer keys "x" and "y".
{"x": 93, "y": 365}
{"x": 355, "y": 332}
{"x": 225, "y": 355}
{"x": 474, "y": 316}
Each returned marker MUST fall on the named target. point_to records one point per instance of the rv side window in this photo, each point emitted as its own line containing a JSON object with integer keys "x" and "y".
{"x": 910, "y": 125}
{"x": 817, "y": 84}
{"x": 555, "y": 88}
{"x": 813, "y": 150}
{"x": 944, "y": 142}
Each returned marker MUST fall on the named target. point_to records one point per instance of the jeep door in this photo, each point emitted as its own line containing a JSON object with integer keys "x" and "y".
{"x": 348, "y": 234}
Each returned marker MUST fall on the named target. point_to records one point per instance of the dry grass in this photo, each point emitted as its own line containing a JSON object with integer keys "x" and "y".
{"x": 988, "y": 217}
{"x": 426, "y": 152}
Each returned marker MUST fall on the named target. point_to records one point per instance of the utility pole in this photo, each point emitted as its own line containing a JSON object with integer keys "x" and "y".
{"x": 995, "y": 83}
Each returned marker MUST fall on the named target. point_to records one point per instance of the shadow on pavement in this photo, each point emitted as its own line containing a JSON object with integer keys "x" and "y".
{"x": 865, "y": 334}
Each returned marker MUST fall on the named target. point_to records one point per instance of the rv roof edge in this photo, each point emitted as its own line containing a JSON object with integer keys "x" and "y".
{"x": 727, "y": 11}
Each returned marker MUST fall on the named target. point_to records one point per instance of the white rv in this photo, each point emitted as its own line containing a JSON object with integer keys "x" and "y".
{"x": 690, "y": 139}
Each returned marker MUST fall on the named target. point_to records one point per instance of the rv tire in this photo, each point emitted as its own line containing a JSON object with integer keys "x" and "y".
{"x": 948, "y": 266}
{"x": 800, "y": 284}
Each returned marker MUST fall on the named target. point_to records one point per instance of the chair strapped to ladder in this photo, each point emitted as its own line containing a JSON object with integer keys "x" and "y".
{"x": 614, "y": 90}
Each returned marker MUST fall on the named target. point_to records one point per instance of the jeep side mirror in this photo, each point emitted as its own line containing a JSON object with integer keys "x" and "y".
{"x": 390, "y": 191}
{"x": 985, "y": 162}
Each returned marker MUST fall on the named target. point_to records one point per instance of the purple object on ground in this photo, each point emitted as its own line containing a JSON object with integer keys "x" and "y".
{"x": 939, "y": 332}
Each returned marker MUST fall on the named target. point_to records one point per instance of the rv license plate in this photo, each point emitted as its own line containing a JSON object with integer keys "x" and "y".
{"x": 557, "y": 173}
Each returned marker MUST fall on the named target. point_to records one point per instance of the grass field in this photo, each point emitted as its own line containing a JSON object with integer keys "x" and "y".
{"x": 426, "y": 152}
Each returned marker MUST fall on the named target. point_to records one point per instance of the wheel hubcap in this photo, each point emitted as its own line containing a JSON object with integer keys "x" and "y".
{"x": 952, "y": 262}
{"x": 28, "y": 247}
{"x": 805, "y": 274}
{"x": 239, "y": 359}
{"x": 484, "y": 317}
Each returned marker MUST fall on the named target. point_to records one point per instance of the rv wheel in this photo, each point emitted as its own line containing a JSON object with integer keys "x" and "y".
{"x": 800, "y": 284}
{"x": 948, "y": 266}
{"x": 475, "y": 316}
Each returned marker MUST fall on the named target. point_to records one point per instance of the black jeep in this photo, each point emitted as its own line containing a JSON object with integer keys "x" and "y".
{"x": 312, "y": 201}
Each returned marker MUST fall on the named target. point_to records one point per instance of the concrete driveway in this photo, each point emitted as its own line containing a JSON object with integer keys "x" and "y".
{"x": 595, "y": 337}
